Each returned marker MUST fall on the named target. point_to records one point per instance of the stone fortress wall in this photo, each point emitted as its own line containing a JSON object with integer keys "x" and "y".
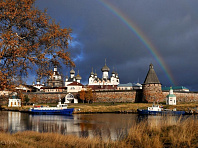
{"x": 125, "y": 96}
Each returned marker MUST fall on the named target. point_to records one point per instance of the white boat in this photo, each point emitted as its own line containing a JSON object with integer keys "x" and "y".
{"x": 157, "y": 109}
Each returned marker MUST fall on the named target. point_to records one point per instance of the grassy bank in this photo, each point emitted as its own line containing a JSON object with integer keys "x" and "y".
{"x": 182, "y": 134}
{"x": 116, "y": 107}
{"x": 109, "y": 107}
{"x": 126, "y": 107}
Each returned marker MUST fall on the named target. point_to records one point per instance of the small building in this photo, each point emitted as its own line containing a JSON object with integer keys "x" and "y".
{"x": 171, "y": 98}
{"x": 127, "y": 86}
{"x": 53, "y": 89}
{"x": 38, "y": 84}
{"x": 74, "y": 87}
{"x": 69, "y": 98}
{"x": 137, "y": 86}
{"x": 25, "y": 88}
{"x": 14, "y": 101}
{"x": 102, "y": 87}
{"x": 5, "y": 93}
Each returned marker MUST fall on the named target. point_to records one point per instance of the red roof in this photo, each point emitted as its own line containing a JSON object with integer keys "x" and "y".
{"x": 53, "y": 88}
{"x": 75, "y": 83}
{"x": 98, "y": 87}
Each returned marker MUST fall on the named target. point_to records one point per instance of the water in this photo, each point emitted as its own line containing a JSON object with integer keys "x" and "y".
{"x": 104, "y": 126}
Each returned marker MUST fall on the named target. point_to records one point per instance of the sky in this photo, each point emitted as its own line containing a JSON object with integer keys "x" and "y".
{"x": 131, "y": 34}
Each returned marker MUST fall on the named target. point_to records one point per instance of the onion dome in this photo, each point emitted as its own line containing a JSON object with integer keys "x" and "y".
{"x": 116, "y": 74}
{"x": 72, "y": 71}
{"x": 78, "y": 77}
{"x": 95, "y": 73}
{"x": 105, "y": 68}
{"x": 38, "y": 81}
{"x": 92, "y": 73}
{"x": 113, "y": 72}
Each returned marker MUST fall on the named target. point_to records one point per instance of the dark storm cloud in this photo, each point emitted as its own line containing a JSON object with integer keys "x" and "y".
{"x": 171, "y": 26}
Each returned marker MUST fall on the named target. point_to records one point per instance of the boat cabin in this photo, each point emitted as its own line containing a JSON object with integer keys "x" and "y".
{"x": 155, "y": 108}
{"x": 62, "y": 105}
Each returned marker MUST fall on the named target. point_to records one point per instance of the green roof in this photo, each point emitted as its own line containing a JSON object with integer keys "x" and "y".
{"x": 174, "y": 88}
{"x": 125, "y": 85}
{"x": 170, "y": 95}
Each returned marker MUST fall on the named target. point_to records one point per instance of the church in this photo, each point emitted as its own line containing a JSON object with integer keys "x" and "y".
{"x": 106, "y": 82}
{"x": 72, "y": 78}
{"x": 55, "y": 80}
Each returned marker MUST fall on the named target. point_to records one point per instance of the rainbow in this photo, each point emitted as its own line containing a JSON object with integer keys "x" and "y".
{"x": 141, "y": 36}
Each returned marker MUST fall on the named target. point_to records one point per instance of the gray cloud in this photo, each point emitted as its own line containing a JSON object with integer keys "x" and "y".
{"x": 171, "y": 26}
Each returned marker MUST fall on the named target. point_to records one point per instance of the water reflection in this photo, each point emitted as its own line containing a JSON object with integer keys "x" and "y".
{"x": 104, "y": 126}
{"x": 53, "y": 123}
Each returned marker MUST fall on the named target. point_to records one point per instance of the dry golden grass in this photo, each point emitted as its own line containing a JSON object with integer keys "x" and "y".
{"x": 183, "y": 133}
{"x": 32, "y": 139}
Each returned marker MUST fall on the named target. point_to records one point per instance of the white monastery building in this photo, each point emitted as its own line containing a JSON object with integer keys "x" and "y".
{"x": 38, "y": 85}
{"x": 74, "y": 87}
{"x": 72, "y": 78}
{"x": 105, "y": 80}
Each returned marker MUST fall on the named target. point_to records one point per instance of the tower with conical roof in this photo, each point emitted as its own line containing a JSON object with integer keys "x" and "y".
{"x": 152, "y": 90}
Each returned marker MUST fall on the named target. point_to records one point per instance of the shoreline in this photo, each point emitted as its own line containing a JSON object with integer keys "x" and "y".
{"x": 117, "y": 108}
{"x": 78, "y": 112}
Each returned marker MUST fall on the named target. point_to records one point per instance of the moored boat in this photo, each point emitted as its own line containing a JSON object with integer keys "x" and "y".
{"x": 61, "y": 109}
{"x": 157, "y": 109}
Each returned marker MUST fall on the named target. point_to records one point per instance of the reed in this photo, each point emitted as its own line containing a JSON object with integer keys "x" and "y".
{"x": 182, "y": 133}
